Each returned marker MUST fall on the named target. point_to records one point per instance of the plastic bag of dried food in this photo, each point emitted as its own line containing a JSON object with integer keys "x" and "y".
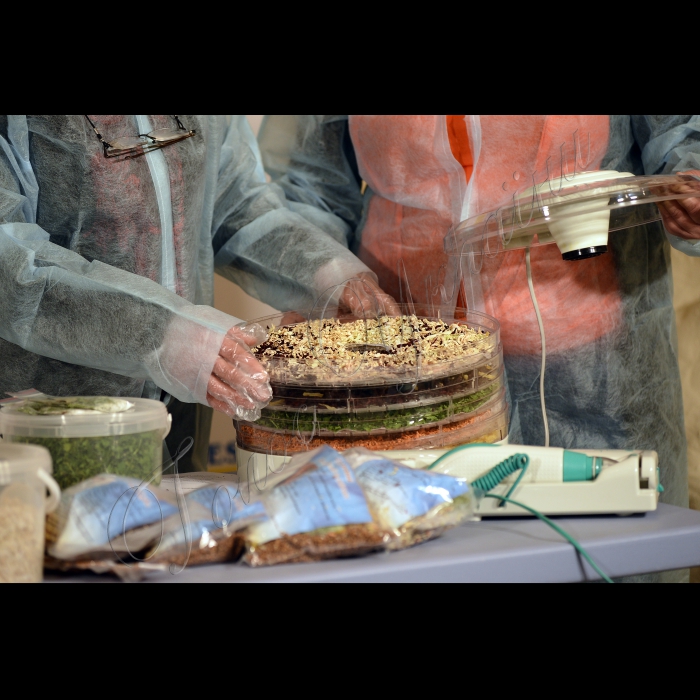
{"x": 107, "y": 516}
{"x": 125, "y": 571}
{"x": 213, "y": 538}
{"x": 318, "y": 512}
{"x": 414, "y": 505}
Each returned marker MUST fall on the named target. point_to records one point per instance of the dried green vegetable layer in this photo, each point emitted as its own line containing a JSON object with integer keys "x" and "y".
{"x": 365, "y": 422}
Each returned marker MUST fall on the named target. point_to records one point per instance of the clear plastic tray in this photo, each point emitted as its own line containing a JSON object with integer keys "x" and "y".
{"x": 396, "y": 417}
{"x": 357, "y": 369}
{"x": 335, "y": 400}
{"x": 487, "y": 425}
{"x": 310, "y": 427}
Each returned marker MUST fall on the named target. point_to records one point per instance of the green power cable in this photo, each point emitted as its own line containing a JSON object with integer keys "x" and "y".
{"x": 556, "y": 527}
{"x": 503, "y": 469}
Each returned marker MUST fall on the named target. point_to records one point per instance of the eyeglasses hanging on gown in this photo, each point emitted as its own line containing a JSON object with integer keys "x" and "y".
{"x": 127, "y": 147}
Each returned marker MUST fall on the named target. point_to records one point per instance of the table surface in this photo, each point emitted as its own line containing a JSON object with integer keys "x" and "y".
{"x": 493, "y": 550}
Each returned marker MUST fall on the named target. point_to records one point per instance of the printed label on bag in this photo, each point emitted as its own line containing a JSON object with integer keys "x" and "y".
{"x": 222, "y": 506}
{"x": 226, "y": 506}
{"x": 322, "y": 494}
{"x": 398, "y": 494}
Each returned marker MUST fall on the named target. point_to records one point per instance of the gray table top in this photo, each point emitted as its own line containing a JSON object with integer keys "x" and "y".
{"x": 493, "y": 550}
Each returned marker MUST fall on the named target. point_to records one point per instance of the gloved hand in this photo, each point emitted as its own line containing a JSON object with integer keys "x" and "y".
{"x": 363, "y": 297}
{"x": 239, "y": 386}
{"x": 681, "y": 217}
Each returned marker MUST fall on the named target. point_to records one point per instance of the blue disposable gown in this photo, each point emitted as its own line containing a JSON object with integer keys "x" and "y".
{"x": 620, "y": 390}
{"x": 106, "y": 267}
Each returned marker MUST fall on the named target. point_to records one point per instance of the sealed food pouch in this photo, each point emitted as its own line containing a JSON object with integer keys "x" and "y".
{"x": 212, "y": 533}
{"x": 107, "y": 516}
{"x": 318, "y": 512}
{"x": 414, "y": 505}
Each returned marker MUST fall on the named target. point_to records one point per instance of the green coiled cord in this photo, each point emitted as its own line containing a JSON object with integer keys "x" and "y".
{"x": 504, "y": 469}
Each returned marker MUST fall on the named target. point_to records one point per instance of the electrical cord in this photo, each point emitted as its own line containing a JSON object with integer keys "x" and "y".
{"x": 544, "y": 349}
{"x": 556, "y": 528}
{"x": 502, "y": 470}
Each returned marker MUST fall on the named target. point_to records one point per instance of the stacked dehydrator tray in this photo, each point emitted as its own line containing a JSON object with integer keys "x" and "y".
{"x": 414, "y": 381}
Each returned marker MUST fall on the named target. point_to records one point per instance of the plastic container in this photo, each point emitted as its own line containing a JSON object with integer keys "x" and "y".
{"x": 493, "y": 428}
{"x": 452, "y": 380}
{"x": 128, "y": 443}
{"x": 321, "y": 420}
{"x": 384, "y": 397}
{"x": 487, "y": 424}
{"x": 25, "y": 475}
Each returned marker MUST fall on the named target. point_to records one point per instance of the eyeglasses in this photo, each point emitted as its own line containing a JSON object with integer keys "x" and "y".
{"x": 128, "y": 147}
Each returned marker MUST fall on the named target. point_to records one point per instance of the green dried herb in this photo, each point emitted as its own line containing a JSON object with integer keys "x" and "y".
{"x": 305, "y": 422}
{"x": 78, "y": 458}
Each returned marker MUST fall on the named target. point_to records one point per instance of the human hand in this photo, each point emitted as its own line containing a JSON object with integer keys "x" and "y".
{"x": 239, "y": 386}
{"x": 681, "y": 217}
{"x": 362, "y": 296}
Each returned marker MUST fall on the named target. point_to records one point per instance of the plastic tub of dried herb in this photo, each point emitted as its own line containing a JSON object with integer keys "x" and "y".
{"x": 90, "y": 435}
{"x": 25, "y": 474}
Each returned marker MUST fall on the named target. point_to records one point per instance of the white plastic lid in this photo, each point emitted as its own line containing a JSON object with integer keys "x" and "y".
{"x": 145, "y": 415}
{"x": 16, "y": 460}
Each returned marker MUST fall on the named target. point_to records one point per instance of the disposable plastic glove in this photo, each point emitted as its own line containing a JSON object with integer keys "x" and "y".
{"x": 239, "y": 386}
{"x": 681, "y": 217}
{"x": 364, "y": 298}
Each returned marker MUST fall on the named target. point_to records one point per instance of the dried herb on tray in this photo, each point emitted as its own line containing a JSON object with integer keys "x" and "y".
{"x": 308, "y": 421}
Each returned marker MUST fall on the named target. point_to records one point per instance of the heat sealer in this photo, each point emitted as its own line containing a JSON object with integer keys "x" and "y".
{"x": 557, "y": 481}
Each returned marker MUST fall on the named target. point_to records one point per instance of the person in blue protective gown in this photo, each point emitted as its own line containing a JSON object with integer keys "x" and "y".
{"x": 108, "y": 246}
{"x": 391, "y": 187}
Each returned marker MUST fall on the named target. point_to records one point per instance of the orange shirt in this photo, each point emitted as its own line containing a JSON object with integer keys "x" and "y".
{"x": 416, "y": 201}
{"x": 508, "y": 297}
{"x": 459, "y": 142}
{"x": 461, "y": 150}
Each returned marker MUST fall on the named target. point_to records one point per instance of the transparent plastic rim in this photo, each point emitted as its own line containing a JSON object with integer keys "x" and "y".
{"x": 420, "y": 400}
{"x": 631, "y": 201}
{"x": 398, "y": 401}
{"x": 495, "y": 402}
{"x": 472, "y": 432}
